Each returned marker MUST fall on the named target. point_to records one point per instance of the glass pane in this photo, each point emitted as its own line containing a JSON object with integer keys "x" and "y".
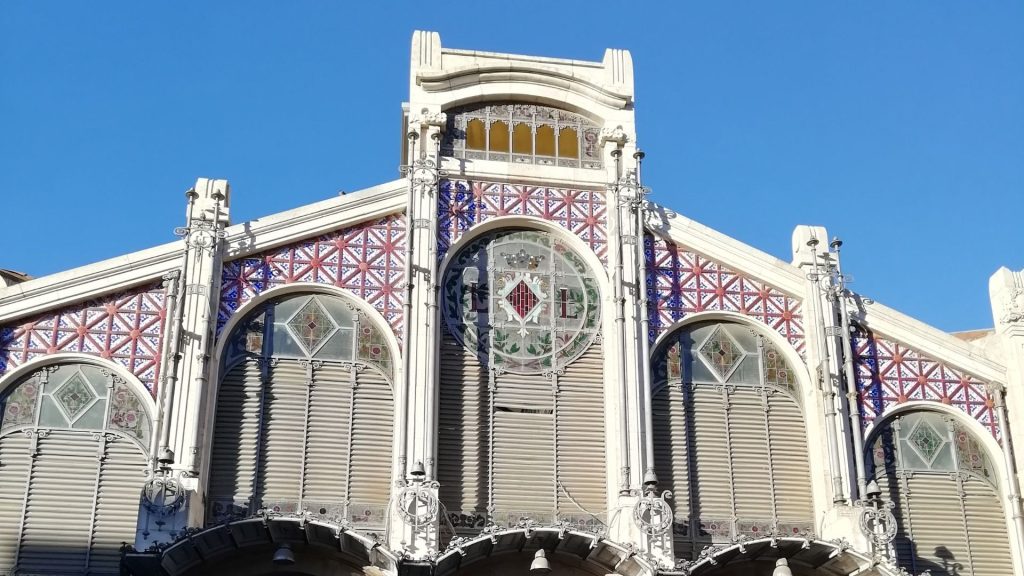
{"x": 499, "y": 137}
{"x": 339, "y": 347}
{"x": 475, "y": 135}
{"x": 545, "y": 140}
{"x": 50, "y": 415}
{"x": 522, "y": 139}
{"x": 284, "y": 345}
{"x": 93, "y": 417}
{"x": 568, "y": 143}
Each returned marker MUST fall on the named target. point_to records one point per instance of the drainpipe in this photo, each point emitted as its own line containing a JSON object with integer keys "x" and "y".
{"x": 166, "y": 455}
{"x": 851, "y": 379}
{"x": 171, "y": 280}
{"x": 403, "y": 409}
{"x": 650, "y": 478}
{"x": 620, "y": 335}
{"x": 433, "y": 318}
{"x": 826, "y": 382}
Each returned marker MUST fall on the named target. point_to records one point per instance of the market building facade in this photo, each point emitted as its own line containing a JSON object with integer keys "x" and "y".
{"x": 508, "y": 360}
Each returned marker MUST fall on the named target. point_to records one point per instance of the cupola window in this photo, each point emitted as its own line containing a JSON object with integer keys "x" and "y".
{"x": 523, "y": 134}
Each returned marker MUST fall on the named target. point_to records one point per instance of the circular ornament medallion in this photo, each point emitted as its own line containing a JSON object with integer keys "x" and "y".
{"x": 522, "y": 301}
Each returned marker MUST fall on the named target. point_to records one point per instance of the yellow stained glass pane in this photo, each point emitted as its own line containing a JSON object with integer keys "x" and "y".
{"x": 545, "y": 140}
{"x": 499, "y": 137}
{"x": 475, "y": 135}
{"x": 568, "y": 143}
{"x": 522, "y": 139}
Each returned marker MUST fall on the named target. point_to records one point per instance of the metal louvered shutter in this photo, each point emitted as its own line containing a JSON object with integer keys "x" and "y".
{"x": 372, "y": 439}
{"x": 283, "y": 441}
{"x": 59, "y": 509}
{"x": 936, "y": 534}
{"x": 749, "y": 459}
{"x": 14, "y": 467}
{"x": 791, "y": 476}
{"x": 672, "y": 459}
{"x": 327, "y": 446}
{"x": 236, "y": 434}
{"x": 463, "y": 451}
{"x": 117, "y": 504}
{"x": 524, "y": 455}
{"x": 710, "y": 478}
{"x": 986, "y": 527}
{"x": 580, "y": 423}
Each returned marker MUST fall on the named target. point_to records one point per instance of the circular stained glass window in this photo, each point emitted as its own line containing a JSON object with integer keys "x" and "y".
{"x": 523, "y": 301}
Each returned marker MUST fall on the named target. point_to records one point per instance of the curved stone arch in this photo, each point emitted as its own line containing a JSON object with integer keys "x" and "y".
{"x": 978, "y": 432}
{"x": 597, "y": 554}
{"x": 296, "y": 288}
{"x": 831, "y": 556}
{"x": 530, "y": 223}
{"x": 533, "y": 81}
{"x": 793, "y": 358}
{"x": 807, "y": 402}
{"x": 574, "y": 105}
{"x": 306, "y": 288}
{"x": 120, "y": 371}
{"x": 239, "y": 544}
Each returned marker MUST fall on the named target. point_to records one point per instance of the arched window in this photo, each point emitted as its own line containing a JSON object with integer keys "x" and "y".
{"x": 521, "y": 431}
{"x": 305, "y": 414}
{"x": 730, "y": 441}
{"x": 534, "y": 134}
{"x": 946, "y": 503}
{"x": 74, "y": 439}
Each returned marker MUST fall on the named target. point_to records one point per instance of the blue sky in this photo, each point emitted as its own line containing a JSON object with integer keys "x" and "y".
{"x": 898, "y": 125}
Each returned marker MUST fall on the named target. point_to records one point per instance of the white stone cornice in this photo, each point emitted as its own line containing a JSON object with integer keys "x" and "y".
{"x": 882, "y": 320}
{"x": 728, "y": 251}
{"x": 149, "y": 265}
{"x": 86, "y": 282}
{"x": 932, "y": 342}
{"x": 315, "y": 219}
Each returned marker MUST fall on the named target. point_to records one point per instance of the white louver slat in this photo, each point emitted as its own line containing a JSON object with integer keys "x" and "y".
{"x": 117, "y": 506}
{"x": 462, "y": 431}
{"x": 790, "y": 468}
{"x": 580, "y": 427}
{"x": 671, "y": 457}
{"x": 748, "y": 439}
{"x": 327, "y": 449}
{"x": 14, "y": 469}
{"x": 710, "y": 478}
{"x": 372, "y": 439}
{"x": 986, "y": 526}
{"x": 524, "y": 456}
{"x": 936, "y": 535}
{"x": 284, "y": 421}
{"x": 235, "y": 436}
{"x": 59, "y": 512}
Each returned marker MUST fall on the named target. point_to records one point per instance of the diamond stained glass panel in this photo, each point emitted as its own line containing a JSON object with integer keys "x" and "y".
{"x": 311, "y": 325}
{"x": 522, "y": 299}
{"x": 721, "y": 353}
{"x": 74, "y": 396}
{"x": 926, "y": 441}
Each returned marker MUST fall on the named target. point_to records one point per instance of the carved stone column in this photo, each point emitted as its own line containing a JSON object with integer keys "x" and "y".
{"x": 1006, "y": 292}
{"x": 193, "y": 340}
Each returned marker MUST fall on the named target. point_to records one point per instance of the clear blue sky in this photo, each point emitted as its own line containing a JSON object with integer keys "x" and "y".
{"x": 898, "y": 125}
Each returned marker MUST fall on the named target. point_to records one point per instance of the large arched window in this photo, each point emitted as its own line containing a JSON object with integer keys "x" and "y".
{"x": 305, "y": 414}
{"x": 74, "y": 439}
{"x": 523, "y": 134}
{"x": 947, "y": 505}
{"x": 729, "y": 437}
{"x": 521, "y": 430}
